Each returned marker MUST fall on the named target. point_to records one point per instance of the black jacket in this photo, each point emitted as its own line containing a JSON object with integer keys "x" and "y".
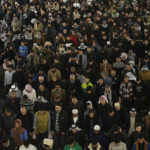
{"x": 63, "y": 121}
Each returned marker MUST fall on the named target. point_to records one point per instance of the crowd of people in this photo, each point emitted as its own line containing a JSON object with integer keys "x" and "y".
{"x": 74, "y": 74}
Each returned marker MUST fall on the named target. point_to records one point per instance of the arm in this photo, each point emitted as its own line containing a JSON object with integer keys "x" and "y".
{"x": 34, "y": 122}
{"x": 25, "y": 135}
{"x": 49, "y": 124}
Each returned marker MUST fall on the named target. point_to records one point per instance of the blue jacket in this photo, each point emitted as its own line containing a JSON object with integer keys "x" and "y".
{"x": 23, "y": 51}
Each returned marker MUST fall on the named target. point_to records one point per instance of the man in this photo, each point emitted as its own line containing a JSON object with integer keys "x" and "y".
{"x": 27, "y": 120}
{"x": 59, "y": 125}
{"x": 32, "y": 61}
{"x": 7, "y": 144}
{"x": 41, "y": 123}
{"x": 58, "y": 92}
{"x": 8, "y": 77}
{"x": 82, "y": 59}
{"x": 141, "y": 143}
{"x": 23, "y": 50}
{"x": 27, "y": 104}
{"x": 126, "y": 93}
{"x": 8, "y": 118}
{"x": 110, "y": 94}
{"x": 79, "y": 135}
{"x": 73, "y": 145}
{"x": 53, "y": 72}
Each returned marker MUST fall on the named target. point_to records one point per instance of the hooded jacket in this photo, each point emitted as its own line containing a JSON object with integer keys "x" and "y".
{"x": 19, "y": 134}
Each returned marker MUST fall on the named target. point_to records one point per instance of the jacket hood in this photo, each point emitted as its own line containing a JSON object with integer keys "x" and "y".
{"x": 19, "y": 121}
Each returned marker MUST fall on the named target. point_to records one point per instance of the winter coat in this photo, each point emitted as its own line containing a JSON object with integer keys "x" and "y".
{"x": 19, "y": 134}
{"x": 35, "y": 61}
{"x": 76, "y": 147}
{"x": 90, "y": 146}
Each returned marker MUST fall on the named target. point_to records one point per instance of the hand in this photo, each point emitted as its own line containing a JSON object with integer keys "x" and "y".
{"x": 53, "y": 132}
{"x": 134, "y": 98}
{"x": 35, "y": 131}
{"x": 30, "y": 133}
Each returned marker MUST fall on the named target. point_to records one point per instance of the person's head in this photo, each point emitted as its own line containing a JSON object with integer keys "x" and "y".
{"x": 25, "y": 97}
{"x": 26, "y": 143}
{"x": 117, "y": 140}
{"x": 72, "y": 77}
{"x": 13, "y": 95}
{"x": 9, "y": 68}
{"x": 23, "y": 111}
{"x": 91, "y": 113}
{"x": 71, "y": 141}
{"x": 41, "y": 79}
{"x": 42, "y": 87}
{"x": 57, "y": 86}
{"x": 100, "y": 80}
{"x": 133, "y": 112}
{"x": 41, "y": 108}
{"x": 97, "y": 129}
{"x": 118, "y": 59}
{"x": 80, "y": 52}
{"x": 8, "y": 111}
{"x": 140, "y": 138}
{"x": 128, "y": 67}
{"x": 105, "y": 61}
{"x": 74, "y": 100}
{"x": 107, "y": 88}
{"x": 138, "y": 127}
{"x": 103, "y": 100}
{"x": 116, "y": 130}
{"x": 5, "y": 141}
{"x": 126, "y": 79}
{"x": 18, "y": 123}
{"x": 58, "y": 107}
{"x": 22, "y": 43}
{"x": 94, "y": 143}
{"x": 117, "y": 106}
{"x": 74, "y": 128}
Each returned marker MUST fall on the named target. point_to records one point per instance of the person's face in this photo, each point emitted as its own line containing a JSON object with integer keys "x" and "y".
{"x": 42, "y": 88}
{"x": 9, "y": 69}
{"x": 57, "y": 87}
{"x": 141, "y": 140}
{"x": 57, "y": 108}
{"x": 13, "y": 95}
{"x": 91, "y": 115}
{"x": 22, "y": 43}
{"x": 17, "y": 125}
{"x": 96, "y": 131}
{"x": 111, "y": 114}
{"x": 74, "y": 100}
{"x": 103, "y": 101}
{"x": 126, "y": 79}
{"x": 23, "y": 111}
{"x": 138, "y": 129}
{"x": 100, "y": 81}
{"x": 73, "y": 33}
{"x": 113, "y": 72}
{"x": 107, "y": 89}
{"x": 80, "y": 52}
{"x": 118, "y": 59}
{"x": 87, "y": 80}
{"x": 8, "y": 113}
{"x": 117, "y": 108}
{"x": 72, "y": 77}
{"x": 74, "y": 130}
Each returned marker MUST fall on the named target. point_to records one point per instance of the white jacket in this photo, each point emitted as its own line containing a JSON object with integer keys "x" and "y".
{"x": 30, "y": 147}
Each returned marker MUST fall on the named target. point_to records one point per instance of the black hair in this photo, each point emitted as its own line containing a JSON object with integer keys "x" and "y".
{"x": 26, "y": 143}
{"x": 71, "y": 140}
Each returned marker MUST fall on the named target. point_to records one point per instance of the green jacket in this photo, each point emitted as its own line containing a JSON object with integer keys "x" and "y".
{"x": 76, "y": 147}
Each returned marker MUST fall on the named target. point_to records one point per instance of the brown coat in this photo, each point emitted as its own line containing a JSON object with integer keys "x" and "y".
{"x": 50, "y": 75}
{"x": 144, "y": 75}
{"x": 60, "y": 93}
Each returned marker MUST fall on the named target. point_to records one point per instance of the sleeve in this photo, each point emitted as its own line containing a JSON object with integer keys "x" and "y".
{"x": 110, "y": 146}
{"x": 5, "y": 79}
{"x": 49, "y": 123}
{"x": 124, "y": 147}
{"x": 34, "y": 122}
{"x": 134, "y": 147}
{"x": 25, "y": 135}
{"x": 11, "y": 134}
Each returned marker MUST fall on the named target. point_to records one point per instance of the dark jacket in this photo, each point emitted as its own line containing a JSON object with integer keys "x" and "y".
{"x": 63, "y": 121}
{"x": 79, "y": 137}
{"x": 27, "y": 121}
